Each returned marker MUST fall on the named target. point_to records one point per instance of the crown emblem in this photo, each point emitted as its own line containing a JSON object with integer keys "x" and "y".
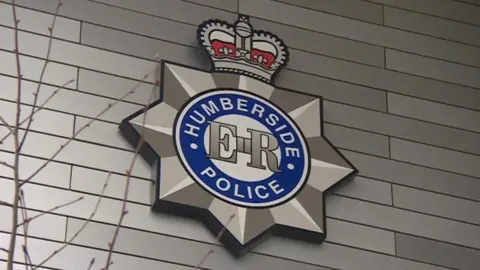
{"x": 239, "y": 49}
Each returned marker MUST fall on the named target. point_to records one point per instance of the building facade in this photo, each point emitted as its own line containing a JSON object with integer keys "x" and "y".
{"x": 400, "y": 83}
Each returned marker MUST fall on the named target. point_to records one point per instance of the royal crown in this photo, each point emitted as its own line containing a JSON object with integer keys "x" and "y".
{"x": 239, "y": 49}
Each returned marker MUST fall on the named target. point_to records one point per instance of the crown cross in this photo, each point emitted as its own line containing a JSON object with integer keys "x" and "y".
{"x": 239, "y": 49}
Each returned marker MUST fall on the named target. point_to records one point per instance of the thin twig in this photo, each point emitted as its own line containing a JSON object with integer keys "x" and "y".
{"x": 16, "y": 174}
{"x": 85, "y": 223}
{"x": 28, "y": 260}
{"x": 42, "y": 73}
{"x": 5, "y": 204}
{"x": 4, "y": 163}
{"x": 4, "y": 250}
{"x": 39, "y": 108}
{"x": 219, "y": 235}
{"x": 23, "y": 204}
{"x": 106, "y": 109}
{"x": 92, "y": 262}
{"x": 124, "y": 211}
{"x": 28, "y": 220}
{"x": 6, "y": 124}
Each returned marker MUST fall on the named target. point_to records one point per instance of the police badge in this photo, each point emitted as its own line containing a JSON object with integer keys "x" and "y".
{"x": 227, "y": 142}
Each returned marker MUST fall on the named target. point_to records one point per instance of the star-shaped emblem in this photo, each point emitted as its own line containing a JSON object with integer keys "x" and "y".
{"x": 298, "y": 212}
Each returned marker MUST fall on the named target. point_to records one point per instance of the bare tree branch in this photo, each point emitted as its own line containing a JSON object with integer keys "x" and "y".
{"x": 5, "y": 204}
{"x": 16, "y": 177}
{"x": 85, "y": 223}
{"x": 39, "y": 108}
{"x": 28, "y": 220}
{"x": 92, "y": 262}
{"x": 6, "y": 124}
{"x": 106, "y": 109}
{"x": 4, "y": 250}
{"x": 124, "y": 211}
{"x": 4, "y": 163}
{"x": 23, "y": 205}
{"x": 219, "y": 235}
{"x": 28, "y": 258}
{"x": 42, "y": 73}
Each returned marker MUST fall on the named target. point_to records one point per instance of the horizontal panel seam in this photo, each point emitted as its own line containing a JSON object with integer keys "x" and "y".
{"x": 340, "y": 148}
{"x": 375, "y": 24}
{"x": 426, "y": 14}
{"x": 329, "y": 12}
{"x": 303, "y": 72}
{"x": 329, "y": 217}
{"x": 146, "y": 14}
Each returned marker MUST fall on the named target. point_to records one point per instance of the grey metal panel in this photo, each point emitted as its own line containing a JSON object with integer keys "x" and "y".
{"x": 357, "y": 140}
{"x": 144, "y": 47}
{"x": 78, "y": 258}
{"x": 136, "y": 45}
{"x": 355, "y": 235}
{"x": 367, "y": 189}
{"x": 40, "y": 22}
{"x": 434, "y": 112}
{"x": 89, "y": 11}
{"x": 432, "y": 26}
{"x": 439, "y": 253}
{"x": 112, "y": 86}
{"x": 384, "y": 79}
{"x": 230, "y": 5}
{"x": 401, "y": 127}
{"x": 454, "y": 10}
{"x": 361, "y": 31}
{"x": 436, "y": 204}
{"x": 75, "y": 54}
{"x": 140, "y": 217}
{"x": 182, "y": 11}
{"x": 44, "y": 120}
{"x": 333, "y": 90}
{"x": 56, "y": 74}
{"x": 80, "y": 153}
{"x": 338, "y": 256}
{"x": 399, "y": 220}
{"x": 73, "y": 102}
{"x": 359, "y": 10}
{"x": 432, "y": 68}
{"x": 103, "y": 133}
{"x": 415, "y": 176}
{"x": 435, "y": 157}
{"x": 174, "y": 249}
{"x": 53, "y": 174}
{"x": 49, "y": 226}
{"x": 315, "y": 42}
{"x": 342, "y": 232}
{"x": 91, "y": 181}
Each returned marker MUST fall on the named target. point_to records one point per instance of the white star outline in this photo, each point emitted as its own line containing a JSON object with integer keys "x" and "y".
{"x": 304, "y": 213}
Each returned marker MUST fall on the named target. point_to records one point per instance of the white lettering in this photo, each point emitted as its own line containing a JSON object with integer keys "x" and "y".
{"x": 249, "y": 191}
{"x": 235, "y": 193}
{"x": 280, "y": 128}
{"x": 226, "y": 104}
{"x": 261, "y": 196}
{"x": 209, "y": 172}
{"x": 272, "y": 119}
{"x": 226, "y": 184}
{"x": 274, "y": 186}
{"x": 210, "y": 109}
{"x": 258, "y": 109}
{"x": 199, "y": 121}
{"x": 191, "y": 130}
{"x": 242, "y": 105}
{"x": 292, "y": 152}
{"x": 287, "y": 137}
